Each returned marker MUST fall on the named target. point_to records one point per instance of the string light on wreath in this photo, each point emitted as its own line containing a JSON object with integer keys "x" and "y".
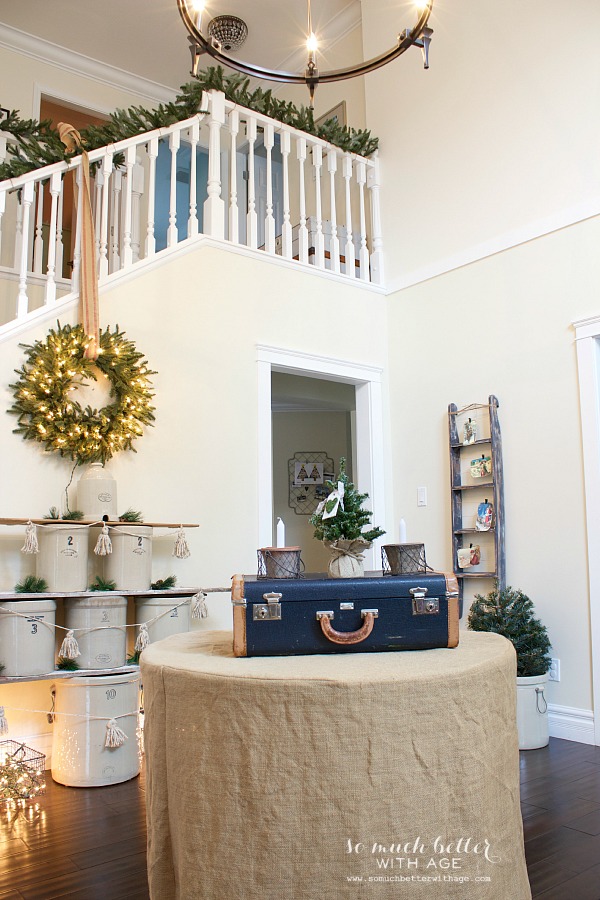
{"x": 49, "y": 413}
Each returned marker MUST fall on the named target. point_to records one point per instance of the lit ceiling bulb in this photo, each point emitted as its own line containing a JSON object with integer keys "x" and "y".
{"x": 198, "y": 5}
{"x": 312, "y": 43}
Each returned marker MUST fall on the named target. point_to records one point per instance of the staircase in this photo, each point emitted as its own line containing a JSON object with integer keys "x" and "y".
{"x": 225, "y": 175}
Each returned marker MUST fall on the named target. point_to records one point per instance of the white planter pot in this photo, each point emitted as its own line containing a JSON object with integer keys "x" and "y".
{"x": 130, "y": 563}
{"x": 83, "y": 706}
{"x": 532, "y": 712}
{"x": 27, "y": 644}
{"x": 63, "y": 557}
{"x": 172, "y": 620}
{"x": 103, "y": 640}
{"x": 97, "y": 494}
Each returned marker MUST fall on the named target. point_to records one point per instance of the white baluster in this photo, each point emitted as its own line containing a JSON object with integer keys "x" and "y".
{"x": 252, "y": 220}
{"x": 38, "y": 244}
{"x": 192, "y": 229}
{"x": 3, "y": 194}
{"x": 302, "y": 230}
{"x": 234, "y": 220}
{"x": 18, "y": 232}
{"x": 55, "y": 186}
{"x": 373, "y": 184}
{"x": 2, "y": 211}
{"x": 97, "y": 206}
{"x": 115, "y": 220}
{"x": 361, "y": 177}
{"x": 286, "y": 228}
{"x": 269, "y": 140}
{"x": 78, "y": 225}
{"x": 317, "y": 157}
{"x": 137, "y": 190}
{"x": 22, "y": 300}
{"x": 150, "y": 239}
{"x": 172, "y": 233}
{"x": 106, "y": 172}
{"x": 127, "y": 207}
{"x": 60, "y": 249}
{"x": 349, "y": 245}
{"x": 334, "y": 248}
{"x": 214, "y": 206}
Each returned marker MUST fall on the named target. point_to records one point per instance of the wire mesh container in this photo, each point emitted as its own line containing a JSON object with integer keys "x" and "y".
{"x": 403, "y": 559}
{"x": 279, "y": 562}
{"x": 21, "y": 772}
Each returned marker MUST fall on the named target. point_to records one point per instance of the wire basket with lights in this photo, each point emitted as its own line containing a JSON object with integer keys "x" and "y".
{"x": 21, "y": 772}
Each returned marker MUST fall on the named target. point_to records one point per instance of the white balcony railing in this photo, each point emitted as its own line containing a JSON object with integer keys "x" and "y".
{"x": 229, "y": 173}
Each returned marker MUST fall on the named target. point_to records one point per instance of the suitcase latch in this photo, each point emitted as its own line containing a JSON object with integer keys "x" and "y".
{"x": 422, "y": 604}
{"x": 269, "y": 611}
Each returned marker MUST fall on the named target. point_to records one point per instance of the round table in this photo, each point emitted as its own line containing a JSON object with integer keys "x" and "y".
{"x": 385, "y": 775}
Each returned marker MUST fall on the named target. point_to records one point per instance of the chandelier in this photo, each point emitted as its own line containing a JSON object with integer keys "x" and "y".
{"x": 218, "y": 47}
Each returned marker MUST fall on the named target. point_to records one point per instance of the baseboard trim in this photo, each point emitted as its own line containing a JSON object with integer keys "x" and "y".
{"x": 571, "y": 724}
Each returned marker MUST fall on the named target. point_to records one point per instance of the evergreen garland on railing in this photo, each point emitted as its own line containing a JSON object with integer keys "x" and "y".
{"x": 37, "y": 144}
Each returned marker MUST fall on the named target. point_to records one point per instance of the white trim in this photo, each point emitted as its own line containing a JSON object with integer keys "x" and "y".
{"x": 587, "y": 339}
{"x": 70, "y": 61}
{"x": 61, "y": 97}
{"x": 571, "y": 724}
{"x": 499, "y": 244}
{"x": 369, "y": 428}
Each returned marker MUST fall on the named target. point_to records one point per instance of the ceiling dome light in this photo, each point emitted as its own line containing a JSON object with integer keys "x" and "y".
{"x": 229, "y": 32}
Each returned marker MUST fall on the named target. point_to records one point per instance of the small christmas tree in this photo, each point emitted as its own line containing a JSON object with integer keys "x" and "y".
{"x": 510, "y": 613}
{"x": 350, "y": 518}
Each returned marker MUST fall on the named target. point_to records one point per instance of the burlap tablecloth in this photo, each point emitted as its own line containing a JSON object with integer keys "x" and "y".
{"x": 372, "y": 775}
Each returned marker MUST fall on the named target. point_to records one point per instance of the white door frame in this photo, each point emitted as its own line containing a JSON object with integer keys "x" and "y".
{"x": 587, "y": 338}
{"x": 369, "y": 474}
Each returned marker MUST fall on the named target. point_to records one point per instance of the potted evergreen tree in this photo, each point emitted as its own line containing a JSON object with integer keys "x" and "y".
{"x": 510, "y": 613}
{"x": 339, "y": 521}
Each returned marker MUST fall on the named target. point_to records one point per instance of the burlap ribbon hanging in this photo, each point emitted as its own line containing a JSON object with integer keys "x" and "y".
{"x": 88, "y": 273}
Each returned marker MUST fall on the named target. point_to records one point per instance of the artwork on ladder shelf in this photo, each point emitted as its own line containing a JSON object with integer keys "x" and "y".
{"x": 469, "y": 431}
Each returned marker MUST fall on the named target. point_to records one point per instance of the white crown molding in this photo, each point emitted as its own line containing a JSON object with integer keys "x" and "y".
{"x": 571, "y": 724}
{"x": 70, "y": 61}
{"x": 499, "y": 244}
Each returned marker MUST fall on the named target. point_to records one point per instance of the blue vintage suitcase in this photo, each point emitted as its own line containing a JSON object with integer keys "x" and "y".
{"x": 288, "y": 617}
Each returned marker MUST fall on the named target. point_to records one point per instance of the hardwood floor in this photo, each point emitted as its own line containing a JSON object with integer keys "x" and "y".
{"x": 90, "y": 843}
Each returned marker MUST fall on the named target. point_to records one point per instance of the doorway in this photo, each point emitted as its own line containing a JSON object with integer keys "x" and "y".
{"x": 313, "y": 421}
{"x": 366, "y": 432}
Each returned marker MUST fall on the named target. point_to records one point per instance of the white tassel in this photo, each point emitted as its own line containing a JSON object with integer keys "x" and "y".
{"x": 143, "y": 638}
{"x": 3, "y": 722}
{"x": 103, "y": 544}
{"x": 31, "y": 541}
{"x": 69, "y": 649}
{"x": 115, "y": 736}
{"x": 181, "y": 551}
{"x": 200, "y": 608}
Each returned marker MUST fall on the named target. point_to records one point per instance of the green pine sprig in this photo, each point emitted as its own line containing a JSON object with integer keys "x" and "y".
{"x": 131, "y": 515}
{"x": 66, "y": 665}
{"x": 101, "y": 584}
{"x": 164, "y": 584}
{"x": 31, "y": 585}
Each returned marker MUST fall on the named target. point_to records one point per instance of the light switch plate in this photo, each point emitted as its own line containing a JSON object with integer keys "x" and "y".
{"x": 421, "y": 496}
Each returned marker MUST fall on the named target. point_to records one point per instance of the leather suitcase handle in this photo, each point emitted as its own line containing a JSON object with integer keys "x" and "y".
{"x": 347, "y": 637}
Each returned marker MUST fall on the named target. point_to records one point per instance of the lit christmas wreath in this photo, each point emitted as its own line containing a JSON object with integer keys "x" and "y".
{"x": 57, "y": 366}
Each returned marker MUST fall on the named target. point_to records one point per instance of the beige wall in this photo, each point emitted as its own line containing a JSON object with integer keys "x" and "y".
{"x": 502, "y": 326}
{"x": 28, "y": 77}
{"x": 499, "y": 135}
